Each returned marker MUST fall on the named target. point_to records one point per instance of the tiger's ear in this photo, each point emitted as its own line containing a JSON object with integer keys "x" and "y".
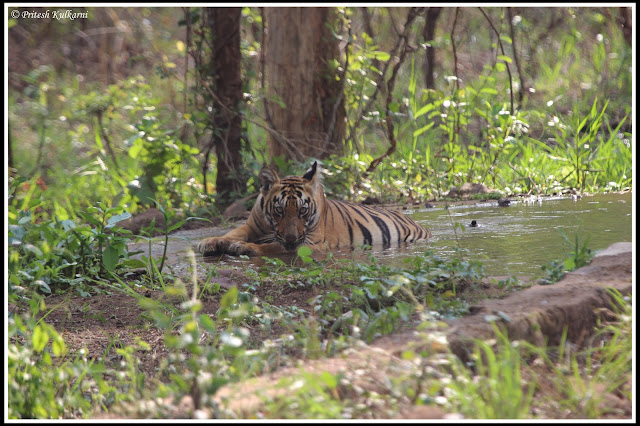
{"x": 268, "y": 177}
{"x": 314, "y": 176}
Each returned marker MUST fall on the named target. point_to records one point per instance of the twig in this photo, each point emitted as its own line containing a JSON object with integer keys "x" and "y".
{"x": 107, "y": 141}
{"x": 413, "y": 13}
{"x": 390, "y": 84}
{"x": 503, "y": 52}
{"x": 289, "y": 145}
{"x": 455, "y": 70}
{"x": 512, "y": 34}
{"x": 453, "y": 46}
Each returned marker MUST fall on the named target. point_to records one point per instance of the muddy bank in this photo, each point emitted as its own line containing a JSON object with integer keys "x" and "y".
{"x": 540, "y": 313}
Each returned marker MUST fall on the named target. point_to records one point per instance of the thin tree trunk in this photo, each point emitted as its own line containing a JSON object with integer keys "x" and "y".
{"x": 428, "y": 34}
{"x": 227, "y": 85}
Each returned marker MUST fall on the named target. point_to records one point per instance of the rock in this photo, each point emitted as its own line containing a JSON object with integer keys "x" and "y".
{"x": 423, "y": 412}
{"x": 371, "y": 200}
{"x": 468, "y": 189}
{"x": 143, "y": 220}
{"x": 236, "y": 210}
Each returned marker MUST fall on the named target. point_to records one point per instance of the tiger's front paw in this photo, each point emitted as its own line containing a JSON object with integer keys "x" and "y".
{"x": 216, "y": 246}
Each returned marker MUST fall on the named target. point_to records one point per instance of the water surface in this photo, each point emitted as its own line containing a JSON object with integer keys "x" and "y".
{"x": 515, "y": 240}
{"x": 518, "y": 239}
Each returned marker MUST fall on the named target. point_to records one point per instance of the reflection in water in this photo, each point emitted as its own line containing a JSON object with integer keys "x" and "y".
{"x": 517, "y": 239}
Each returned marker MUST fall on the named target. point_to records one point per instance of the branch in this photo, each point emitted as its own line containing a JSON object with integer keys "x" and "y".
{"x": 390, "y": 84}
{"x": 512, "y": 34}
{"x": 290, "y": 146}
{"x": 413, "y": 13}
{"x": 503, "y": 52}
{"x": 453, "y": 46}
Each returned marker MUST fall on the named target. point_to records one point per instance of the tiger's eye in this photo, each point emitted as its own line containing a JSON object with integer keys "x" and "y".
{"x": 304, "y": 210}
{"x": 278, "y": 210}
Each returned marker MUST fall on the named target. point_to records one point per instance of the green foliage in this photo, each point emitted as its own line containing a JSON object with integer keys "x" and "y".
{"x": 579, "y": 256}
{"x": 163, "y": 158}
{"x": 56, "y": 255}
{"x": 45, "y": 381}
{"x": 583, "y": 378}
{"x": 374, "y": 299}
{"x": 496, "y": 390}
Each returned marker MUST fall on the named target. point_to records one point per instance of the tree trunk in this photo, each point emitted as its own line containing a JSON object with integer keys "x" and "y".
{"x": 306, "y": 103}
{"x": 227, "y": 86}
{"x": 428, "y": 34}
{"x": 626, "y": 23}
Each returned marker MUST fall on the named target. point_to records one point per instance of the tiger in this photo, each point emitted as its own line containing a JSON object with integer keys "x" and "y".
{"x": 293, "y": 211}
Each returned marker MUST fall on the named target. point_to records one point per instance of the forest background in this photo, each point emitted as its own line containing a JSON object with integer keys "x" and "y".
{"x": 184, "y": 105}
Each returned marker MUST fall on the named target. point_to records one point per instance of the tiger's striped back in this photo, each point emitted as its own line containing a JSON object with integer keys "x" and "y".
{"x": 352, "y": 225}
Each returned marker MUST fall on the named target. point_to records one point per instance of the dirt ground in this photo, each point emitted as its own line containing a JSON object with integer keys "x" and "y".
{"x": 96, "y": 322}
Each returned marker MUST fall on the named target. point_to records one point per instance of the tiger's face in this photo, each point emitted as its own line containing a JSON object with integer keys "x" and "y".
{"x": 291, "y": 206}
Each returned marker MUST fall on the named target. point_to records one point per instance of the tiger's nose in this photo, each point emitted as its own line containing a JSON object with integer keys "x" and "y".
{"x": 290, "y": 238}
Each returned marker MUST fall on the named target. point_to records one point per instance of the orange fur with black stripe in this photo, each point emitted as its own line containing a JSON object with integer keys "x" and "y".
{"x": 293, "y": 211}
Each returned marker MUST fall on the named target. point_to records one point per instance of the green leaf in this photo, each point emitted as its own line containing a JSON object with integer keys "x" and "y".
{"x": 59, "y": 347}
{"x": 207, "y": 324}
{"x": 176, "y": 225}
{"x": 379, "y": 55}
{"x": 33, "y": 249}
{"x": 117, "y": 218}
{"x": 304, "y": 251}
{"x": 504, "y": 58}
{"x": 506, "y": 38}
{"x": 89, "y": 218}
{"x": 424, "y": 110}
{"x": 97, "y": 135}
{"x": 136, "y": 147}
{"x": 229, "y": 298}
{"x": 133, "y": 263}
{"x": 110, "y": 257}
{"x": 329, "y": 379}
{"x": 43, "y": 286}
{"x": 423, "y": 129}
{"x": 39, "y": 339}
